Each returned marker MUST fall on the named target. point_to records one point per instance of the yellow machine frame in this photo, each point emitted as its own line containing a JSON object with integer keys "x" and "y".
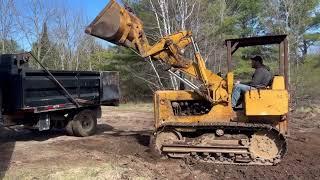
{"x": 255, "y": 133}
{"x": 115, "y": 24}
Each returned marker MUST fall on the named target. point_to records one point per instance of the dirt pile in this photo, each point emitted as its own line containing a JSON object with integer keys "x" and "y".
{"x": 120, "y": 151}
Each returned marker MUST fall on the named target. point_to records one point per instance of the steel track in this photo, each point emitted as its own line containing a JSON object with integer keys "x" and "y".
{"x": 214, "y": 154}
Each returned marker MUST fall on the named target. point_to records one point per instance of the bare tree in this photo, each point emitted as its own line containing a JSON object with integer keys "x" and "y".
{"x": 172, "y": 16}
{"x": 185, "y": 11}
{"x": 30, "y": 25}
{"x": 62, "y": 35}
{"x": 6, "y": 22}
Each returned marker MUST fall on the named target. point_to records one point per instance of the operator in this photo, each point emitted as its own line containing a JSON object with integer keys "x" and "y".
{"x": 261, "y": 78}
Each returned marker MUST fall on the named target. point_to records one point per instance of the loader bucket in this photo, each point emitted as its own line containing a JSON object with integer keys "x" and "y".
{"x": 117, "y": 25}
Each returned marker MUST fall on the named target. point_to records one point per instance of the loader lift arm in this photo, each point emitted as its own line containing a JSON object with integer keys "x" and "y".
{"x": 119, "y": 26}
{"x": 202, "y": 123}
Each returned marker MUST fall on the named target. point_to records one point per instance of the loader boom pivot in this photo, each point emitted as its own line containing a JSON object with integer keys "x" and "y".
{"x": 201, "y": 122}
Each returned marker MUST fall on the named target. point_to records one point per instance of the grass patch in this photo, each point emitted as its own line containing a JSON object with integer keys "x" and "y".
{"x": 307, "y": 77}
{"x": 144, "y": 107}
{"x": 105, "y": 171}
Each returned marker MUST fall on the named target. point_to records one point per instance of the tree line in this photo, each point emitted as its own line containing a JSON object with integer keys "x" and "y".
{"x": 213, "y": 21}
{"x": 50, "y": 30}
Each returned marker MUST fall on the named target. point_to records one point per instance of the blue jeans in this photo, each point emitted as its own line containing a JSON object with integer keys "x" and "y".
{"x": 237, "y": 91}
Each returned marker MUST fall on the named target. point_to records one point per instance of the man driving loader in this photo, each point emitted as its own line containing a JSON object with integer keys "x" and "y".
{"x": 260, "y": 79}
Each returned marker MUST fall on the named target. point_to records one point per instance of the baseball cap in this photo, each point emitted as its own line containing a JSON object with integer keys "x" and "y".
{"x": 256, "y": 58}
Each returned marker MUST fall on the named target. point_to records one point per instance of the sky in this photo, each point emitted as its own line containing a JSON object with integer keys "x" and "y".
{"x": 90, "y": 7}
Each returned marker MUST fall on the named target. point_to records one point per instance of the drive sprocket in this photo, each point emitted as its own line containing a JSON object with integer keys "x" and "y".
{"x": 263, "y": 145}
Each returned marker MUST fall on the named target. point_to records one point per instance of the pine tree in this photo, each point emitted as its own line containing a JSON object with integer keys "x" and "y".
{"x": 44, "y": 41}
{"x": 9, "y": 46}
{"x": 44, "y": 49}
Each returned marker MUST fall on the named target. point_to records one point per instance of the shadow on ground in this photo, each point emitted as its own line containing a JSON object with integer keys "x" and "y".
{"x": 5, "y": 156}
{"x": 142, "y": 137}
{"x": 9, "y": 137}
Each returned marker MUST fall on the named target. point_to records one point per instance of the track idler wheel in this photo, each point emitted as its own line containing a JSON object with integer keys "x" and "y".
{"x": 264, "y": 146}
{"x": 164, "y": 138}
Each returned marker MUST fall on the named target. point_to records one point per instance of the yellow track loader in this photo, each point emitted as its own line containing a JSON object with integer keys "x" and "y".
{"x": 200, "y": 122}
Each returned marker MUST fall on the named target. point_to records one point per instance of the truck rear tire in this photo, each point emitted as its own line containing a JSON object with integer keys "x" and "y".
{"x": 84, "y": 123}
{"x": 69, "y": 128}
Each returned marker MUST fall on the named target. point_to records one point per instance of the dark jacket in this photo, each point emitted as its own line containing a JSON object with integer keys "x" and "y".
{"x": 262, "y": 77}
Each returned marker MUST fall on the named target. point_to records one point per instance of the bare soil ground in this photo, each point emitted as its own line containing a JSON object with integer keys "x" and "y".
{"x": 120, "y": 151}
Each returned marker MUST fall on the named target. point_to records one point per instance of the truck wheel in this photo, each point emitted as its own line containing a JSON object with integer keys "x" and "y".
{"x": 84, "y": 123}
{"x": 69, "y": 128}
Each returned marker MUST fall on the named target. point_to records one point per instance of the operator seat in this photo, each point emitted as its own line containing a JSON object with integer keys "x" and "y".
{"x": 267, "y": 101}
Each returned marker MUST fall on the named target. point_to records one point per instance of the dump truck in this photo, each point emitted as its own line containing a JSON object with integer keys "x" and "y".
{"x": 41, "y": 99}
{"x": 200, "y": 122}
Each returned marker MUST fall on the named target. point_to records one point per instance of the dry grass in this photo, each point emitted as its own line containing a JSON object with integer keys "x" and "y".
{"x": 103, "y": 172}
{"x": 140, "y": 107}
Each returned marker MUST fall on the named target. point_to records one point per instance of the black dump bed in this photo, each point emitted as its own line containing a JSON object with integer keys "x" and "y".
{"x": 35, "y": 90}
